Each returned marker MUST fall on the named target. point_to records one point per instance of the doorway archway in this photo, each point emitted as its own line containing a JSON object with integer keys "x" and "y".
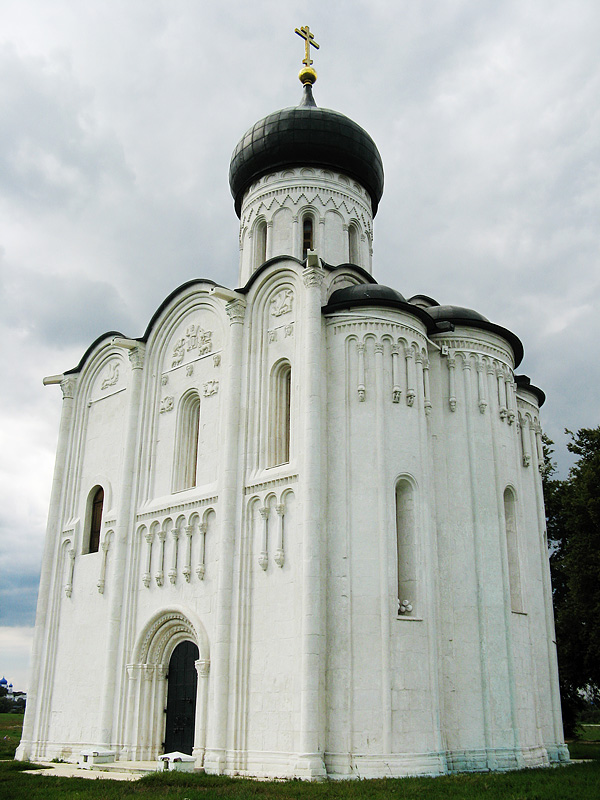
{"x": 173, "y": 637}
{"x": 182, "y": 683}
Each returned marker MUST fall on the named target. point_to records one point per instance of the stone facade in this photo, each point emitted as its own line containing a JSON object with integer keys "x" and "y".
{"x": 340, "y": 506}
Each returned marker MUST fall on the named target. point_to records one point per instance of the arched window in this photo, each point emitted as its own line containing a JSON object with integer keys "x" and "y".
{"x": 512, "y": 546}
{"x": 307, "y": 234}
{"x": 96, "y": 520}
{"x": 260, "y": 233}
{"x": 280, "y": 413}
{"x": 186, "y": 447}
{"x": 406, "y": 548}
{"x": 353, "y": 247}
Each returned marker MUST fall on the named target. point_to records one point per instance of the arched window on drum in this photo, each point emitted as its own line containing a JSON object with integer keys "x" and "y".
{"x": 353, "y": 245}
{"x": 308, "y": 234}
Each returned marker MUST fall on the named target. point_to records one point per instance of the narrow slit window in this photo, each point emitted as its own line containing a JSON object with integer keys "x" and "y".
{"x": 280, "y": 414}
{"x": 96, "y": 520}
{"x": 307, "y": 235}
{"x": 406, "y": 548}
{"x": 186, "y": 453}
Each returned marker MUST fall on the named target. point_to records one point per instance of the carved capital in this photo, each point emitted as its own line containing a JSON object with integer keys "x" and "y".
{"x": 200, "y": 571}
{"x": 136, "y": 357}
{"x": 482, "y": 406}
{"x": 263, "y": 560}
{"x": 202, "y": 667}
{"x": 187, "y": 572}
{"x": 264, "y": 512}
{"x": 279, "y": 557}
{"x": 452, "y": 403}
{"x": 146, "y": 579}
{"x": 313, "y": 277}
{"x": 280, "y": 509}
{"x": 203, "y": 527}
{"x": 68, "y": 388}
{"x": 526, "y": 460}
{"x": 360, "y": 347}
{"x": 379, "y": 347}
{"x": 235, "y": 311}
{"x": 396, "y": 393}
{"x": 410, "y": 398}
{"x": 362, "y": 395}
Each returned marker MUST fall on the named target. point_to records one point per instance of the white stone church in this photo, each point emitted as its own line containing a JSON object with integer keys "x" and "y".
{"x": 297, "y": 528}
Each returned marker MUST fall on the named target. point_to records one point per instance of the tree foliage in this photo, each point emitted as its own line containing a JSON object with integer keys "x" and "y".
{"x": 573, "y": 523}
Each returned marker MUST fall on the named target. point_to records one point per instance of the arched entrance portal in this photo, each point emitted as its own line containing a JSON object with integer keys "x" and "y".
{"x": 182, "y": 682}
{"x": 170, "y": 667}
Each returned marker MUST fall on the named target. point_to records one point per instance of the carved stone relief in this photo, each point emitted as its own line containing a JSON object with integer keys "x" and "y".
{"x": 210, "y": 388}
{"x": 282, "y": 303}
{"x": 196, "y": 338}
{"x": 112, "y": 376}
{"x": 167, "y": 404}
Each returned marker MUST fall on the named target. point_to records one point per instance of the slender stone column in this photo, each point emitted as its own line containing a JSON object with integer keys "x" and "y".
{"x": 310, "y": 762}
{"x": 122, "y": 540}
{"x": 479, "y": 570}
{"x": 203, "y": 669}
{"x": 384, "y": 526}
{"x": 52, "y": 538}
{"x": 227, "y": 518}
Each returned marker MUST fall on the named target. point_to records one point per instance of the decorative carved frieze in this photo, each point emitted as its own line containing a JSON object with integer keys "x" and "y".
{"x": 282, "y": 303}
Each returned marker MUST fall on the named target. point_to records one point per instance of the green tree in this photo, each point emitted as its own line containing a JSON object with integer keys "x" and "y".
{"x": 573, "y": 522}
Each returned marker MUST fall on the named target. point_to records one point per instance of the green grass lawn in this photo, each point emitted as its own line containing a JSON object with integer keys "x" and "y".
{"x": 10, "y": 734}
{"x": 576, "y": 782}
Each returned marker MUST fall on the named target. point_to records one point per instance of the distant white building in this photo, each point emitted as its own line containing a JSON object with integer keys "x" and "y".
{"x": 297, "y": 529}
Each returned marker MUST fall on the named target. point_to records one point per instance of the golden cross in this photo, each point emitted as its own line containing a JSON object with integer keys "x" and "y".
{"x": 309, "y": 38}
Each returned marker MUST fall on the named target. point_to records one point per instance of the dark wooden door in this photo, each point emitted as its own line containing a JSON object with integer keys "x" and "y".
{"x": 181, "y": 699}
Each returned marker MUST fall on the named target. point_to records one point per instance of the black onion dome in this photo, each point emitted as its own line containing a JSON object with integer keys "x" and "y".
{"x": 459, "y": 316}
{"x": 306, "y": 136}
{"x": 374, "y": 294}
{"x": 360, "y": 292}
{"x": 455, "y": 313}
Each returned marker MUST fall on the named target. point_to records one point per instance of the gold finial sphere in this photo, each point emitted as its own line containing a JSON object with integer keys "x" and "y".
{"x": 307, "y": 75}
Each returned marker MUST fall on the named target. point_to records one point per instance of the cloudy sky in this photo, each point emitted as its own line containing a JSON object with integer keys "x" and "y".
{"x": 117, "y": 122}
